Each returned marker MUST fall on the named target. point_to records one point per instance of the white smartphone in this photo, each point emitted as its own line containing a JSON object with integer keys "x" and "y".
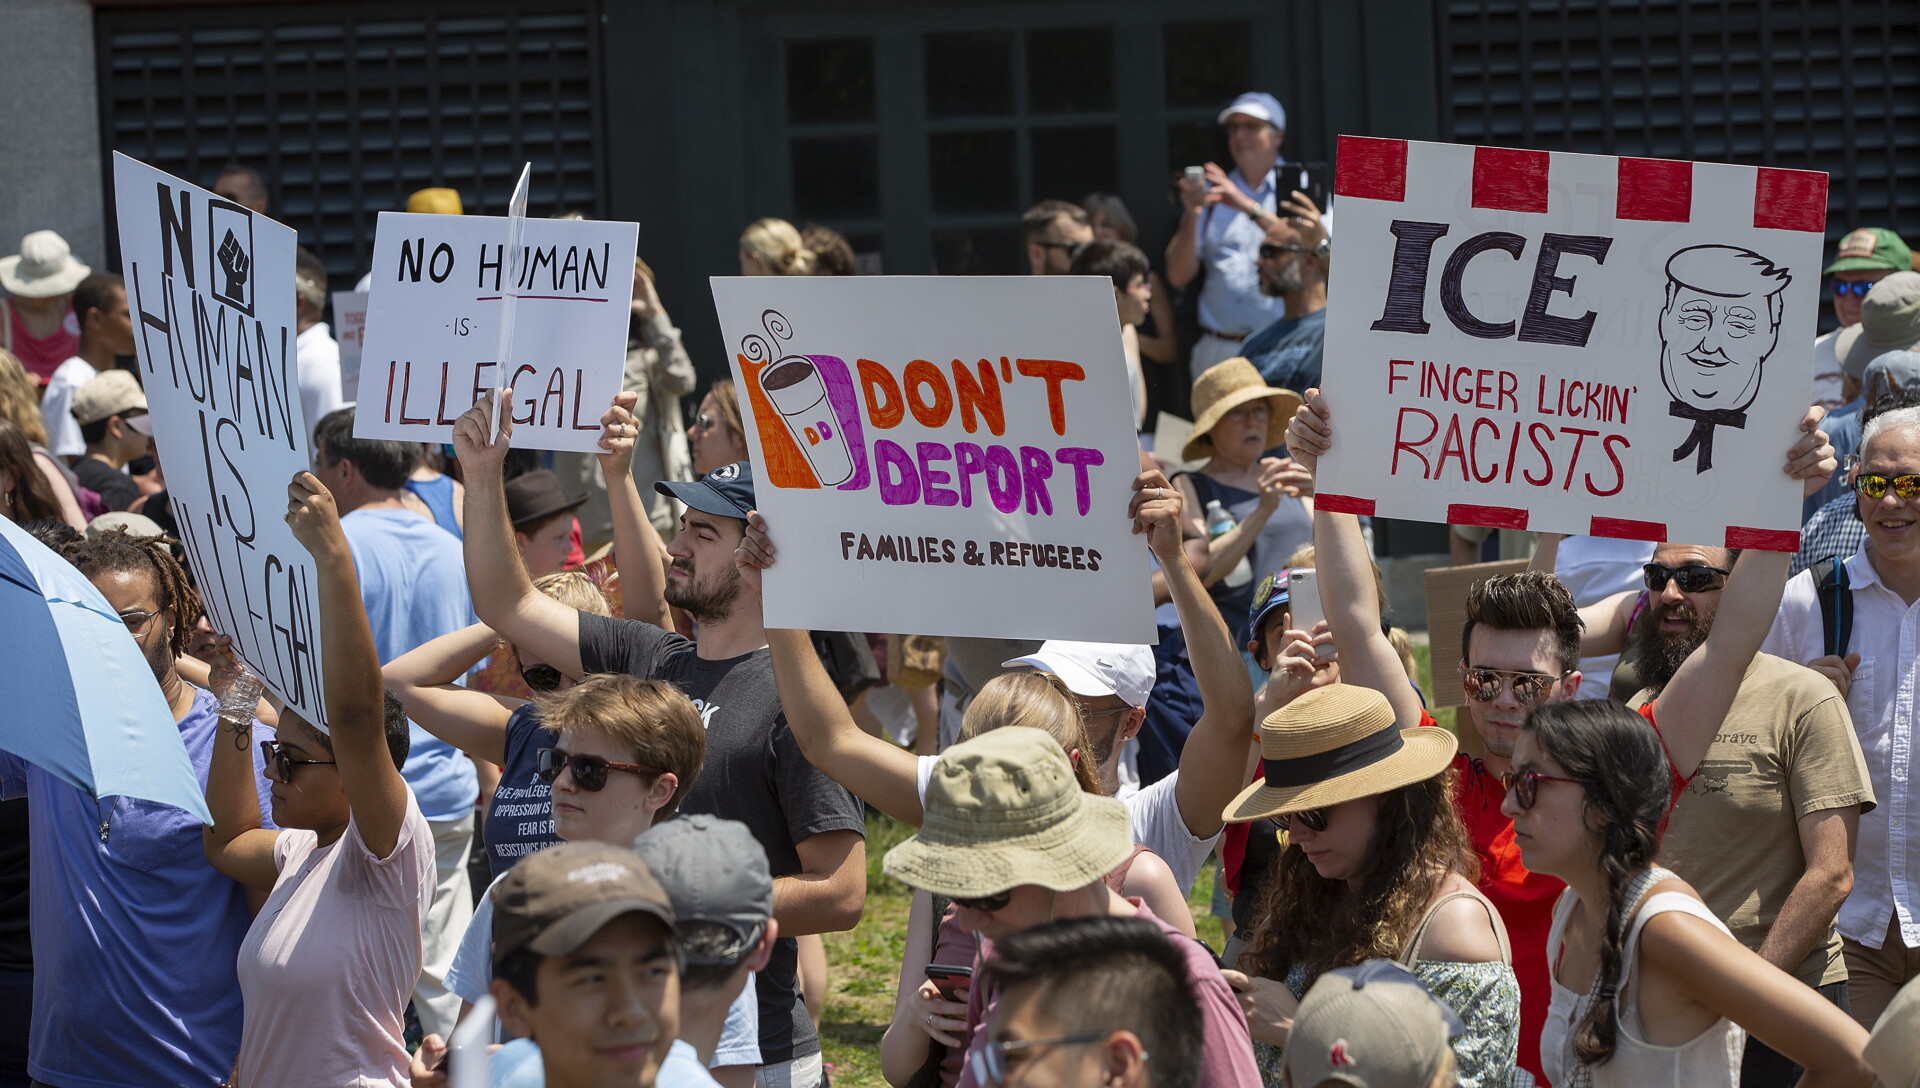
{"x": 1303, "y": 603}
{"x": 1197, "y": 175}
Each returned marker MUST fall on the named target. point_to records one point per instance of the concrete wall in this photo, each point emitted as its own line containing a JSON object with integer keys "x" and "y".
{"x": 50, "y": 177}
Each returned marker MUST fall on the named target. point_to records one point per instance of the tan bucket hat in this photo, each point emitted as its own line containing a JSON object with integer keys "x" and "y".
{"x": 1226, "y": 386}
{"x": 1335, "y": 744}
{"x": 44, "y": 267}
{"x": 1004, "y": 809}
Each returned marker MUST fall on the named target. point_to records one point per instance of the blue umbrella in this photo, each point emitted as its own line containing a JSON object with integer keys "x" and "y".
{"x": 88, "y": 712}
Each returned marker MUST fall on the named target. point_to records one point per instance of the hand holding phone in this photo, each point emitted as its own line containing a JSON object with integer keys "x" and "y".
{"x": 949, "y": 977}
{"x": 1303, "y": 604}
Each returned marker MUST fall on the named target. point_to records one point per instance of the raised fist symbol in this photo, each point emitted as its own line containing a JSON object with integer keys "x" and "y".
{"x": 236, "y": 264}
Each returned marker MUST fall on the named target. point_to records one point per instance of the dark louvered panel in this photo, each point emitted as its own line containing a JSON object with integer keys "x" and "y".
{"x": 348, "y": 109}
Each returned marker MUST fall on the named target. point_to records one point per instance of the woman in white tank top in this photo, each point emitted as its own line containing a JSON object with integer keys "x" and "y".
{"x": 1650, "y": 990}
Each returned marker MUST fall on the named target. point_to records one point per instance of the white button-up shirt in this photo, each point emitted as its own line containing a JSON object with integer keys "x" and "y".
{"x": 1881, "y": 699}
{"x": 1230, "y": 299}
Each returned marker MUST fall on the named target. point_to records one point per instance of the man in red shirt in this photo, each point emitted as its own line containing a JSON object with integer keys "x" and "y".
{"x": 1521, "y": 648}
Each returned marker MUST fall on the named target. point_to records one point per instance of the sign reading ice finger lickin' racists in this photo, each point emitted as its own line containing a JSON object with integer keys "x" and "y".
{"x": 942, "y": 455}
{"x": 1570, "y": 343}
{"x": 433, "y": 344}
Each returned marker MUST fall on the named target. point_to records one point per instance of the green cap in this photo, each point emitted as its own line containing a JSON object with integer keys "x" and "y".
{"x": 1872, "y": 247}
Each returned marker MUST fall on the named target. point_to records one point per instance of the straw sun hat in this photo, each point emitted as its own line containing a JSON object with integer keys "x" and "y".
{"x": 1334, "y": 744}
{"x": 1004, "y": 809}
{"x": 1222, "y": 388}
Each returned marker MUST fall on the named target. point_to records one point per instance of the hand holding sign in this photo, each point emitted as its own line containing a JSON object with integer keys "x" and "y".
{"x": 313, "y": 517}
{"x": 619, "y": 431}
{"x": 755, "y": 552}
{"x": 482, "y": 454}
{"x": 1157, "y": 510}
{"x": 1311, "y": 433}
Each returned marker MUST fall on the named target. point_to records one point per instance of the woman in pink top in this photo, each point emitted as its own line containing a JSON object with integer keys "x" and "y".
{"x": 331, "y": 958}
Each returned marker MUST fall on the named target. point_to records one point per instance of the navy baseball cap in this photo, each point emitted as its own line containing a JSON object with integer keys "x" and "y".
{"x": 1268, "y": 598}
{"x": 725, "y": 492}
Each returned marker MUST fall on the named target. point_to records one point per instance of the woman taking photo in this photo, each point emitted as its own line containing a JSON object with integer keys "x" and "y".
{"x": 1376, "y": 866}
{"x": 1650, "y": 990}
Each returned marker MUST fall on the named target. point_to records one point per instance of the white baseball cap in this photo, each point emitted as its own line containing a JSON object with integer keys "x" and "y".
{"x": 1096, "y": 668}
{"x": 1258, "y": 105}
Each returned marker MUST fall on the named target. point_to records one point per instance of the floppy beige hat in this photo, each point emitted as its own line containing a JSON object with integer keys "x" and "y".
{"x": 1004, "y": 809}
{"x": 1334, "y": 744}
{"x": 44, "y": 267}
{"x": 1225, "y": 386}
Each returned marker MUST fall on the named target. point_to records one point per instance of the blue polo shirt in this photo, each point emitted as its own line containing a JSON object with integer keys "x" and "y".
{"x": 135, "y": 935}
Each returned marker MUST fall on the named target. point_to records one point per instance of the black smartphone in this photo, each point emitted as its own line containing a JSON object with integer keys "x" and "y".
{"x": 948, "y": 977}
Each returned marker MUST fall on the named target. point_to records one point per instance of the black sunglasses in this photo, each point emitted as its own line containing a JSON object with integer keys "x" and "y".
{"x": 1525, "y": 786}
{"x": 1856, "y": 288}
{"x": 541, "y": 677}
{"x": 1073, "y": 248}
{"x": 1269, "y": 251}
{"x": 1874, "y": 486}
{"x": 1529, "y": 688}
{"x": 1313, "y": 819}
{"x": 589, "y": 772}
{"x": 1693, "y": 578}
{"x": 986, "y": 904}
{"x": 283, "y": 764}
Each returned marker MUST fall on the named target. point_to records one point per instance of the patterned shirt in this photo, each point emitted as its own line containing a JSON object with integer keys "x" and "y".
{"x": 1832, "y": 530}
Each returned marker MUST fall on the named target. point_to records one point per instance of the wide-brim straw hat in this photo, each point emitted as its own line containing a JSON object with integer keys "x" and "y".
{"x": 1334, "y": 744}
{"x": 44, "y": 267}
{"x": 1225, "y": 386}
{"x": 1004, "y": 809}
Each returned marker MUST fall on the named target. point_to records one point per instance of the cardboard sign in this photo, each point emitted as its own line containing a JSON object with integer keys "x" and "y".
{"x": 1572, "y": 343}
{"x": 433, "y": 326}
{"x": 943, "y": 455}
{"x": 210, "y": 287}
{"x": 350, "y": 332}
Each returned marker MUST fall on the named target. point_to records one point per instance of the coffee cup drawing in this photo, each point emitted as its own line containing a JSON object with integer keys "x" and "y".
{"x": 794, "y": 386}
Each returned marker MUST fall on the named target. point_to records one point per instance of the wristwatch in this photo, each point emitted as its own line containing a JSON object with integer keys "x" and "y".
{"x": 1323, "y": 249}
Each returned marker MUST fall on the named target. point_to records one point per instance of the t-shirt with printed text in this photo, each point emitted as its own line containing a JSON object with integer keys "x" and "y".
{"x": 519, "y": 819}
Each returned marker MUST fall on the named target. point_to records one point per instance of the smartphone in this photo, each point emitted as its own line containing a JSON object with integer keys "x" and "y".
{"x": 1303, "y": 603}
{"x": 1197, "y": 175}
{"x": 1312, "y": 178}
{"x": 948, "y": 977}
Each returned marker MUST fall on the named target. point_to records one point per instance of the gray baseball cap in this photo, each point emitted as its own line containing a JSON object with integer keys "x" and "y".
{"x": 715, "y": 872}
{"x": 1893, "y": 372}
{"x": 1374, "y": 1025}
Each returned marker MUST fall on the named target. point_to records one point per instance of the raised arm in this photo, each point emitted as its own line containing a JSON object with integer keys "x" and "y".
{"x": 503, "y": 594}
{"x": 642, "y": 554}
{"x": 426, "y": 679}
{"x": 1689, "y": 711}
{"x": 356, "y": 703}
{"x": 236, "y": 845}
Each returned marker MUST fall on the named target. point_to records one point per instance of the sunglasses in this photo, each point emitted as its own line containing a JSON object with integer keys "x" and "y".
{"x": 283, "y": 764}
{"x": 986, "y": 904}
{"x": 990, "y": 1061}
{"x": 1874, "y": 486}
{"x": 1269, "y": 251}
{"x": 1313, "y": 819}
{"x": 1529, "y": 688}
{"x": 1073, "y": 248}
{"x": 1525, "y": 786}
{"x": 589, "y": 772}
{"x": 1855, "y": 288}
{"x": 1693, "y": 578}
{"x": 541, "y": 677}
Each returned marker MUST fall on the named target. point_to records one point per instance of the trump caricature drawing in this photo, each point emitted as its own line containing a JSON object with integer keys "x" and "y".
{"x": 1720, "y": 322}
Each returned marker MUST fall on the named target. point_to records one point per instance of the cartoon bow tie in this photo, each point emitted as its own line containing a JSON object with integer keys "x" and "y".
{"x": 1701, "y": 437}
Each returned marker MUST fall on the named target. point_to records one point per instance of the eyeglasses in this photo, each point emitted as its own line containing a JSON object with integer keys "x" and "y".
{"x": 1874, "y": 486}
{"x": 541, "y": 677}
{"x": 1856, "y": 288}
{"x": 704, "y": 419}
{"x": 1693, "y": 578}
{"x": 986, "y": 904}
{"x": 136, "y": 620}
{"x": 589, "y": 772}
{"x": 272, "y": 753}
{"x": 1088, "y": 714}
{"x": 1525, "y": 786}
{"x": 990, "y": 1061}
{"x": 1313, "y": 819}
{"x": 1269, "y": 251}
{"x": 1529, "y": 688}
{"x": 1073, "y": 248}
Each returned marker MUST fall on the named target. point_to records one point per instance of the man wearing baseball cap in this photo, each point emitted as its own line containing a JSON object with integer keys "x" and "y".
{"x": 111, "y": 410}
{"x": 811, "y": 828}
{"x": 1865, "y": 256}
{"x": 1371, "y": 1026}
{"x": 586, "y": 963}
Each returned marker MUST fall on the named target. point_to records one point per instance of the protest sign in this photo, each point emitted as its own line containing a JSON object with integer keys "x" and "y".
{"x": 350, "y": 332}
{"x": 210, "y": 286}
{"x": 1584, "y": 344}
{"x": 433, "y": 326}
{"x": 946, "y": 456}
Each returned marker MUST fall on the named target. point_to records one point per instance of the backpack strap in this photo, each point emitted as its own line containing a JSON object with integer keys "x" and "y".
{"x": 1836, "y": 605}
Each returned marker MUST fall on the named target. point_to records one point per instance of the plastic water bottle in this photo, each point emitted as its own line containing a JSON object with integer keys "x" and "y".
{"x": 242, "y": 699}
{"x": 1220, "y": 523}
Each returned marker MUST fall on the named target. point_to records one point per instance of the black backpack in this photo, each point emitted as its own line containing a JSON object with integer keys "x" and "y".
{"x": 1836, "y": 604}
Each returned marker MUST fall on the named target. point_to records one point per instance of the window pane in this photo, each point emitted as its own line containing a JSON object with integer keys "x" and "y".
{"x": 836, "y": 177}
{"x": 1070, "y": 70}
{"x": 972, "y": 172}
{"x": 1069, "y": 163}
{"x": 829, "y": 80}
{"x": 1207, "y": 63}
{"x": 993, "y": 251}
{"x": 1191, "y": 143}
{"x": 969, "y": 75}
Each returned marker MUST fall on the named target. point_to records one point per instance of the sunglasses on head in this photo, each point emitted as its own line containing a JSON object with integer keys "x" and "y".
{"x": 1693, "y": 578}
{"x": 1529, "y": 688}
{"x": 1525, "y": 786}
{"x": 589, "y": 772}
{"x": 1313, "y": 819}
{"x": 1856, "y": 288}
{"x": 541, "y": 677}
{"x": 1270, "y": 251}
{"x": 283, "y": 764}
{"x": 986, "y": 904}
{"x": 1874, "y": 486}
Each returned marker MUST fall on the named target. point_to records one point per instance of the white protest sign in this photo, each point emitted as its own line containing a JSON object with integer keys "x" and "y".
{"x": 433, "y": 326}
{"x": 210, "y": 285}
{"x": 350, "y": 332}
{"x": 942, "y": 455}
{"x": 1583, "y": 344}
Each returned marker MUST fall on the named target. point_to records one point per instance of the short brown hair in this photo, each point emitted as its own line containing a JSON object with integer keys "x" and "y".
{"x": 1532, "y": 600}
{"x": 1038, "y": 219}
{"x": 652, "y": 717}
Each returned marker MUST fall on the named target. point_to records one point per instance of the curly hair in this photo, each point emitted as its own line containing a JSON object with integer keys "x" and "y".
{"x": 1308, "y": 920}
{"x": 119, "y": 552}
{"x": 20, "y": 399}
{"x": 1610, "y": 751}
{"x": 1039, "y": 700}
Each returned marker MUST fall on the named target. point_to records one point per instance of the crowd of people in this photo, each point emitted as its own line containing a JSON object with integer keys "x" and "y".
{"x": 573, "y": 798}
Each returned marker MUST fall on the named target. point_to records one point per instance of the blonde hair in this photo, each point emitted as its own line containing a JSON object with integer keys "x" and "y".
{"x": 652, "y": 717}
{"x": 778, "y": 246}
{"x": 575, "y": 590}
{"x": 1038, "y": 700}
{"x": 20, "y": 399}
{"x": 726, "y": 400}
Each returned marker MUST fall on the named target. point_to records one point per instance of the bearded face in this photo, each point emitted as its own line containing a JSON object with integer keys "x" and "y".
{"x": 1667, "y": 633}
{"x": 707, "y": 598}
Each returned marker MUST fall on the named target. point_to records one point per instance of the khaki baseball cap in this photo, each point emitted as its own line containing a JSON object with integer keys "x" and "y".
{"x": 1371, "y": 1026}
{"x": 552, "y": 902}
{"x": 110, "y": 393}
{"x": 1871, "y": 248}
